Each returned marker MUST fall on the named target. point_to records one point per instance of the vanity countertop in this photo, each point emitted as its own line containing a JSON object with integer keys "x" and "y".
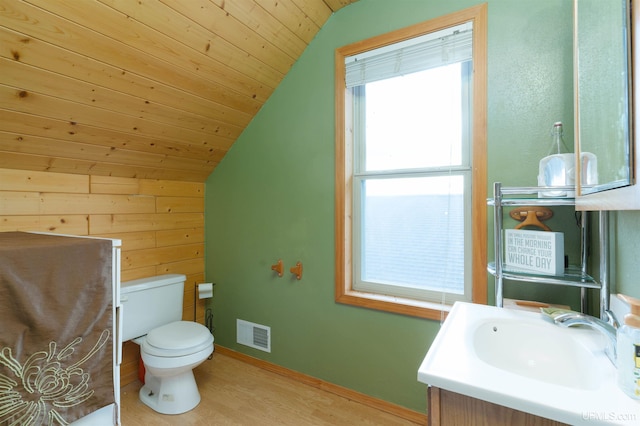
{"x": 468, "y": 358}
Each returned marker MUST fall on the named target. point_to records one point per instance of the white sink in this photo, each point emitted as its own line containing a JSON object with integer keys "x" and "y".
{"x": 522, "y": 361}
{"x": 535, "y": 350}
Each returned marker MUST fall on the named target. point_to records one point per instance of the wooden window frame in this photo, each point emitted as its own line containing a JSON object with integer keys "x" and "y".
{"x": 344, "y": 293}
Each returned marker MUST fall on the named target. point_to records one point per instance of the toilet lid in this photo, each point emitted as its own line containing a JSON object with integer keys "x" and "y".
{"x": 178, "y": 338}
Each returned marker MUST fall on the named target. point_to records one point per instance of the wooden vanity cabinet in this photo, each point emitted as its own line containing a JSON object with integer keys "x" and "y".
{"x": 450, "y": 408}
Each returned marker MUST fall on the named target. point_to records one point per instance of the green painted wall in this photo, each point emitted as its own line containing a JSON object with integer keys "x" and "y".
{"x": 625, "y": 276}
{"x": 272, "y": 197}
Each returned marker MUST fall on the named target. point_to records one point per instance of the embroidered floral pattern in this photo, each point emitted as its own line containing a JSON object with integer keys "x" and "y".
{"x": 44, "y": 384}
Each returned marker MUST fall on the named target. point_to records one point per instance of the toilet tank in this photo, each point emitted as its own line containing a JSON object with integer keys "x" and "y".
{"x": 148, "y": 303}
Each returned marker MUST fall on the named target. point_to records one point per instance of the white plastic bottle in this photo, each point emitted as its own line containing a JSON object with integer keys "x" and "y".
{"x": 628, "y": 350}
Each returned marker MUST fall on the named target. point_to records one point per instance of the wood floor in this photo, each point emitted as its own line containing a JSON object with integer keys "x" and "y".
{"x": 236, "y": 393}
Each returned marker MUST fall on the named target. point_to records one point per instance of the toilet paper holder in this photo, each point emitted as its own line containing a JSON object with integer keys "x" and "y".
{"x": 202, "y": 291}
{"x": 205, "y": 290}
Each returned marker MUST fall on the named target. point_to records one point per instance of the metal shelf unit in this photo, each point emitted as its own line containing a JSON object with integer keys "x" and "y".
{"x": 573, "y": 276}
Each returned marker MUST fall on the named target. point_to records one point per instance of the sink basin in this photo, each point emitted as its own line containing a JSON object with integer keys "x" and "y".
{"x": 522, "y": 361}
{"x": 538, "y": 351}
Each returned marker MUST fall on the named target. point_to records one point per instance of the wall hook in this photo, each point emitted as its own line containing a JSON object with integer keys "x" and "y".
{"x": 297, "y": 270}
{"x": 278, "y": 267}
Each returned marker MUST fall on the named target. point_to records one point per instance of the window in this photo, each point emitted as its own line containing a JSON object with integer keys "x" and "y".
{"x": 411, "y": 167}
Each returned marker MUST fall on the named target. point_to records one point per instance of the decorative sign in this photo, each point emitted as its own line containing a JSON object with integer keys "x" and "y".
{"x": 534, "y": 251}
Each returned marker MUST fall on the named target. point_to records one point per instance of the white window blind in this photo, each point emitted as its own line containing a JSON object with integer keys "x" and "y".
{"x": 436, "y": 49}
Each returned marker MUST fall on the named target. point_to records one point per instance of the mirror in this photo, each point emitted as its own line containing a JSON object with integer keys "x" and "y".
{"x": 602, "y": 80}
{"x": 624, "y": 197}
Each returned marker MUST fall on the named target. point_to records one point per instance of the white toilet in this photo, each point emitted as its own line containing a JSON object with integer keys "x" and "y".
{"x": 170, "y": 348}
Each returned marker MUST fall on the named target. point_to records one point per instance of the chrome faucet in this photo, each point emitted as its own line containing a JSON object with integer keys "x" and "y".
{"x": 611, "y": 318}
{"x": 576, "y": 318}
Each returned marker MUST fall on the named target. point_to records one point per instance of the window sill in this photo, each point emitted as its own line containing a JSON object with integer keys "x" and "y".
{"x": 394, "y": 304}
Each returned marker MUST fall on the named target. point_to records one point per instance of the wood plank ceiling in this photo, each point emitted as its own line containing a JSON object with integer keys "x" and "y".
{"x": 155, "y": 89}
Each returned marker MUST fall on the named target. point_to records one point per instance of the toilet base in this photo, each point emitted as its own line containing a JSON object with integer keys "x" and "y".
{"x": 170, "y": 395}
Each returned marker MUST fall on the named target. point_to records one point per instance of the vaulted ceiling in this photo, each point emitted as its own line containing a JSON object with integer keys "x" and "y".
{"x": 156, "y": 89}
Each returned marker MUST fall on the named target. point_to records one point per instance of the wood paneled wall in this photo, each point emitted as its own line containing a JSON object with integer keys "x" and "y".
{"x": 160, "y": 223}
{"x": 147, "y": 89}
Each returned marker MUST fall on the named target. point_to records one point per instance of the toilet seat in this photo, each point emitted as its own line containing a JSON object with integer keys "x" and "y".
{"x": 179, "y": 338}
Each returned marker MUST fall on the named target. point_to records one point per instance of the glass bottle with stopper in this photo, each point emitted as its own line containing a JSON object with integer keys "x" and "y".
{"x": 557, "y": 140}
{"x": 558, "y": 167}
